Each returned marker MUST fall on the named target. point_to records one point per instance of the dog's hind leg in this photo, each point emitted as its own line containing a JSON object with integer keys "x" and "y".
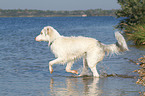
{"x": 94, "y": 70}
{"x": 93, "y": 58}
{"x": 68, "y": 68}
{"x": 85, "y": 66}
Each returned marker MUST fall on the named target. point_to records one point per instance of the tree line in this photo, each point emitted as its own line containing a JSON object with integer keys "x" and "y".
{"x": 49, "y": 13}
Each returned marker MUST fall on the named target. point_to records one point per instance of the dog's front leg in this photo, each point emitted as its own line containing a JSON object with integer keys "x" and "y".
{"x": 50, "y": 68}
{"x": 56, "y": 61}
{"x": 68, "y": 68}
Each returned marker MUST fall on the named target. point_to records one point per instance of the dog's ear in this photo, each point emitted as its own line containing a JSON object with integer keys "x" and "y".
{"x": 49, "y": 30}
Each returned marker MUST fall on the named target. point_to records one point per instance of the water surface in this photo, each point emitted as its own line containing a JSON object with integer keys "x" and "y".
{"x": 24, "y": 62}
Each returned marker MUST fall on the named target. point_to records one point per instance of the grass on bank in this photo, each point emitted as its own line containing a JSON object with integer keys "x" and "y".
{"x": 136, "y": 34}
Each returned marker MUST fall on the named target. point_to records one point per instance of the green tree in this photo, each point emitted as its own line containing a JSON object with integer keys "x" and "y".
{"x": 134, "y": 23}
{"x": 133, "y": 10}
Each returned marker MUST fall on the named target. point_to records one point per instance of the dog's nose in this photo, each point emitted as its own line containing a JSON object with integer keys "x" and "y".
{"x": 35, "y": 38}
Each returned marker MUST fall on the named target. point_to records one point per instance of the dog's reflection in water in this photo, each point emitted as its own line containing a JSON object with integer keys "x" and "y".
{"x": 75, "y": 87}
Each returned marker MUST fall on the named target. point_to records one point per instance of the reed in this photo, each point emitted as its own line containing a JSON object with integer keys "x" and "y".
{"x": 136, "y": 34}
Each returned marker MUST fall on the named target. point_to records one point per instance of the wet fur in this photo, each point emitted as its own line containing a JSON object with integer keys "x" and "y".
{"x": 68, "y": 49}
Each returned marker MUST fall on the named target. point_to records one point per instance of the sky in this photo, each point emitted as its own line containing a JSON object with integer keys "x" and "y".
{"x": 59, "y": 4}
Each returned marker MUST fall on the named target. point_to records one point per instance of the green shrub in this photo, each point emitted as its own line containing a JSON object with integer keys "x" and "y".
{"x": 133, "y": 10}
{"x": 134, "y": 23}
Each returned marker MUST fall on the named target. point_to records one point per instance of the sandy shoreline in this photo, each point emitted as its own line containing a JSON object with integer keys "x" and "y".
{"x": 141, "y": 72}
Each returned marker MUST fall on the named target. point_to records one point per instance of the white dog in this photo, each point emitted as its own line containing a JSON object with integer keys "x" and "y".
{"x": 68, "y": 49}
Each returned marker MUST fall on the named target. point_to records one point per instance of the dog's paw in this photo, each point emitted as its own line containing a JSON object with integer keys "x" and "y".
{"x": 74, "y": 71}
{"x": 50, "y": 69}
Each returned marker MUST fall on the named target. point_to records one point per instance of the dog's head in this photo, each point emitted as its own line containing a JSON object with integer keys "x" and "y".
{"x": 47, "y": 34}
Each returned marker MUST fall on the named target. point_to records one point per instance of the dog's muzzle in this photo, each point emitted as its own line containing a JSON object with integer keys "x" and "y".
{"x": 36, "y": 38}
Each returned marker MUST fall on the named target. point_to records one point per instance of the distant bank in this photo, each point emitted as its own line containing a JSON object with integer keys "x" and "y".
{"x": 49, "y": 13}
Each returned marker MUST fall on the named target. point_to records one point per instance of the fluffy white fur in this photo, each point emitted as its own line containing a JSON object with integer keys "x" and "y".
{"x": 68, "y": 49}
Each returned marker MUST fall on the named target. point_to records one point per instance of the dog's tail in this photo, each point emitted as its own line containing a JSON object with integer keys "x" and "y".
{"x": 119, "y": 46}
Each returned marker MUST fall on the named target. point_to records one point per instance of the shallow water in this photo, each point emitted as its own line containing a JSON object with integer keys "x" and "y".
{"x": 24, "y": 62}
